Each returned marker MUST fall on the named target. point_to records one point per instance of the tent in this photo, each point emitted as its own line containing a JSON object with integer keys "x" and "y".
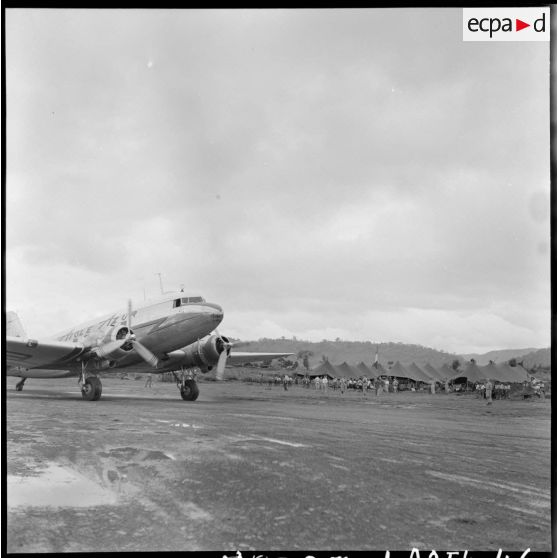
{"x": 371, "y": 372}
{"x": 418, "y": 374}
{"x": 494, "y": 372}
{"x": 446, "y": 371}
{"x": 379, "y": 370}
{"x": 324, "y": 369}
{"x": 399, "y": 371}
{"x": 433, "y": 372}
{"x": 472, "y": 372}
{"x": 358, "y": 373}
{"x": 503, "y": 372}
{"x": 516, "y": 373}
{"x": 346, "y": 371}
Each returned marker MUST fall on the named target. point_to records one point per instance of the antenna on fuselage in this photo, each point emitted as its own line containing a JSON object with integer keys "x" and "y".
{"x": 160, "y": 282}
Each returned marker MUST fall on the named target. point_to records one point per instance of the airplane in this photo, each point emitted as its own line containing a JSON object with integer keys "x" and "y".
{"x": 172, "y": 333}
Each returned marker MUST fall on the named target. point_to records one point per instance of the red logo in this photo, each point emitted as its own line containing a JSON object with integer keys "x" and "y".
{"x": 519, "y": 25}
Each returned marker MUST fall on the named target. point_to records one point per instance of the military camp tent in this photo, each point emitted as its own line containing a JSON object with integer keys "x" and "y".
{"x": 433, "y": 372}
{"x": 324, "y": 369}
{"x": 378, "y": 369}
{"x": 515, "y": 373}
{"x": 446, "y": 371}
{"x": 503, "y": 372}
{"x": 357, "y": 371}
{"x": 472, "y": 372}
{"x": 417, "y": 374}
{"x": 399, "y": 371}
{"x": 370, "y": 372}
{"x": 346, "y": 371}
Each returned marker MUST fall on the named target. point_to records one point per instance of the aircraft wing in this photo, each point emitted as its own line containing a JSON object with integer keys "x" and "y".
{"x": 31, "y": 353}
{"x": 248, "y": 357}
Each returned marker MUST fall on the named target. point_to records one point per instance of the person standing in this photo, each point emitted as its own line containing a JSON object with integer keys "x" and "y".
{"x": 364, "y": 386}
{"x": 395, "y": 385}
{"x": 286, "y": 382}
{"x": 433, "y": 387}
{"x": 342, "y": 385}
{"x": 148, "y": 381}
{"x": 488, "y": 388}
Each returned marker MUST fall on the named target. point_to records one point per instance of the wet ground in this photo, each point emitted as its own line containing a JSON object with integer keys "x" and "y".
{"x": 248, "y": 467}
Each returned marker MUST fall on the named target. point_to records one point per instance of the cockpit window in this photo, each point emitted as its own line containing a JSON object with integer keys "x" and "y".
{"x": 177, "y": 303}
{"x": 192, "y": 300}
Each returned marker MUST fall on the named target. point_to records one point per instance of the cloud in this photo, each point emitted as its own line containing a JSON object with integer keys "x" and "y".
{"x": 308, "y": 167}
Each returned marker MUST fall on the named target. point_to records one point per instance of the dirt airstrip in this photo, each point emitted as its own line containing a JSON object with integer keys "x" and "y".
{"x": 252, "y": 467}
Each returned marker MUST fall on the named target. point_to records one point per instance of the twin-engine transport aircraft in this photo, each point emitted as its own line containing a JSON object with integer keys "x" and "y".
{"x": 174, "y": 333}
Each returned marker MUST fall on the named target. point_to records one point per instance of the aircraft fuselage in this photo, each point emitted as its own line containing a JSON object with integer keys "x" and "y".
{"x": 163, "y": 325}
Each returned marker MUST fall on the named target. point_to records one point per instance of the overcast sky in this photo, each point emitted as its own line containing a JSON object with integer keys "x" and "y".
{"x": 357, "y": 173}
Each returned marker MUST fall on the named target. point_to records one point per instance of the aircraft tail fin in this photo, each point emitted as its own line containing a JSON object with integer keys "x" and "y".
{"x": 14, "y": 327}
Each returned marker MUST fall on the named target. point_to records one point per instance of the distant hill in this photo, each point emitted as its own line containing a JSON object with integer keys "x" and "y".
{"x": 351, "y": 352}
{"x": 538, "y": 358}
{"x": 531, "y": 357}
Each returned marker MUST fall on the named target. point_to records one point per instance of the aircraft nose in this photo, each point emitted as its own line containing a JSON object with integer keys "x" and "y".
{"x": 217, "y": 313}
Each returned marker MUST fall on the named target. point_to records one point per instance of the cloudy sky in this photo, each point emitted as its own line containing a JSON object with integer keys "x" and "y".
{"x": 362, "y": 174}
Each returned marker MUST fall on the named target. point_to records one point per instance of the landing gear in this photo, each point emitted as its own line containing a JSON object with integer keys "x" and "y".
{"x": 91, "y": 387}
{"x": 19, "y": 385}
{"x": 189, "y": 391}
{"x": 187, "y": 385}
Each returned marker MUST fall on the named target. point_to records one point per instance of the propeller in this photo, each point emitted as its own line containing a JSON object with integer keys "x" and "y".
{"x": 142, "y": 350}
{"x": 222, "y": 362}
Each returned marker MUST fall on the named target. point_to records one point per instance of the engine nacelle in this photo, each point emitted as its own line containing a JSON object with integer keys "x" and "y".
{"x": 204, "y": 353}
{"x": 113, "y": 346}
{"x": 105, "y": 364}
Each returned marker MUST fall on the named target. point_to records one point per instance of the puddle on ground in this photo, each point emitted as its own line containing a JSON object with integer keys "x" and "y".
{"x": 131, "y": 454}
{"x": 57, "y": 487}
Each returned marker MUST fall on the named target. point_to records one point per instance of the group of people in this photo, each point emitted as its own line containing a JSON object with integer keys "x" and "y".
{"x": 490, "y": 391}
{"x": 277, "y": 380}
{"x": 486, "y": 390}
{"x": 378, "y": 385}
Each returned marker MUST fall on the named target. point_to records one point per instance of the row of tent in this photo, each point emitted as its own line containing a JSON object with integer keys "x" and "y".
{"x": 501, "y": 372}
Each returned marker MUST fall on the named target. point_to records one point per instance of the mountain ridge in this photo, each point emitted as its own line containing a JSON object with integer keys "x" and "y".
{"x": 354, "y": 352}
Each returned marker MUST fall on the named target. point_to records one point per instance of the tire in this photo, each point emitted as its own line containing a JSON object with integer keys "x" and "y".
{"x": 92, "y": 389}
{"x": 189, "y": 391}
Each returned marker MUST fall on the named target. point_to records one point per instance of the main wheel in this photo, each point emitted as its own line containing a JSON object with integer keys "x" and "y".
{"x": 189, "y": 391}
{"x": 92, "y": 389}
